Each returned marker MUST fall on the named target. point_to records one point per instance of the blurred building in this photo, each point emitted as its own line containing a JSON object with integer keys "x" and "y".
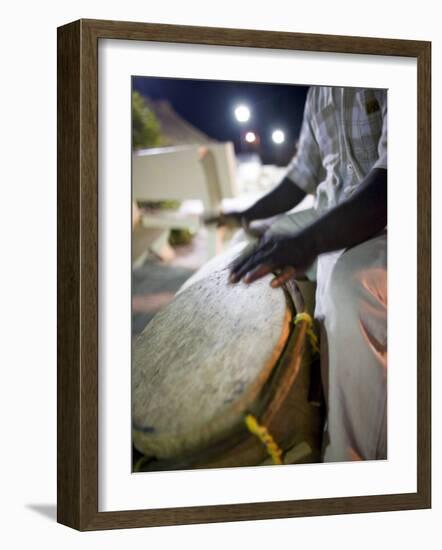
{"x": 175, "y": 130}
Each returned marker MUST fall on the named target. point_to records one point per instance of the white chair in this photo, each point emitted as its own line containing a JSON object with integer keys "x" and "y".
{"x": 197, "y": 176}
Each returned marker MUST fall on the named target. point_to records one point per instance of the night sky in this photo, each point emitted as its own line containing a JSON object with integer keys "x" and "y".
{"x": 209, "y": 105}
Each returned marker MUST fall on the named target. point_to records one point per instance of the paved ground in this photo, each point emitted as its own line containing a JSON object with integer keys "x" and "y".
{"x": 155, "y": 282}
{"x": 153, "y": 286}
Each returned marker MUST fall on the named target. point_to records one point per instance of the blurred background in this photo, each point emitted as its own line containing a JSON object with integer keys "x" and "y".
{"x": 198, "y": 147}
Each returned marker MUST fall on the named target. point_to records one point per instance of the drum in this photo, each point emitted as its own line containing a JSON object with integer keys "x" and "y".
{"x": 222, "y": 376}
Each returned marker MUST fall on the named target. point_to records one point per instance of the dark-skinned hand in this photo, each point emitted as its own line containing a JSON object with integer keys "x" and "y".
{"x": 288, "y": 256}
{"x": 228, "y": 219}
{"x": 234, "y": 220}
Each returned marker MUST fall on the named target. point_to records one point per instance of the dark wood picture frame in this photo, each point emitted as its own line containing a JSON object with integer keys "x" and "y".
{"x": 77, "y": 225}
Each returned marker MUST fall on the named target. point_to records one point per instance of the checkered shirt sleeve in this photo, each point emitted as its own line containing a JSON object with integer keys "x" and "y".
{"x": 305, "y": 170}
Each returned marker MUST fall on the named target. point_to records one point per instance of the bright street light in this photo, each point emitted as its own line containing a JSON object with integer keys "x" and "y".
{"x": 250, "y": 137}
{"x": 278, "y": 136}
{"x": 242, "y": 113}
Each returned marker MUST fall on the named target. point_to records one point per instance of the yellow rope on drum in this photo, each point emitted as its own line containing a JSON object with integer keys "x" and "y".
{"x": 261, "y": 431}
{"x": 313, "y": 339}
{"x": 265, "y": 437}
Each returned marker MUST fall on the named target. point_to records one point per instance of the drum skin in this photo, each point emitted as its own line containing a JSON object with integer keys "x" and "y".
{"x": 209, "y": 358}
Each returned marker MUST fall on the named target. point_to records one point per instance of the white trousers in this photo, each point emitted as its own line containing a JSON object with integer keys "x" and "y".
{"x": 351, "y": 305}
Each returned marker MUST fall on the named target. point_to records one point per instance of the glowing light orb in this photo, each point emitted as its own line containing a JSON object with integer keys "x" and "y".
{"x": 242, "y": 113}
{"x": 278, "y": 136}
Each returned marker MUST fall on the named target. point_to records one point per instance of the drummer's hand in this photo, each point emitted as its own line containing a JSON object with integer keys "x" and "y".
{"x": 229, "y": 219}
{"x": 289, "y": 256}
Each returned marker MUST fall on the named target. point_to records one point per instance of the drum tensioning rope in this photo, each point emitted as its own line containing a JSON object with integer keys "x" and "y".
{"x": 261, "y": 431}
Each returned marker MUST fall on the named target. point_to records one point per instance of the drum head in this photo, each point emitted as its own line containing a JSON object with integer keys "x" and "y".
{"x": 202, "y": 362}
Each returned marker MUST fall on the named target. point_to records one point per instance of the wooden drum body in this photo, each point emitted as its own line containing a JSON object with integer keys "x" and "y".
{"x": 214, "y": 356}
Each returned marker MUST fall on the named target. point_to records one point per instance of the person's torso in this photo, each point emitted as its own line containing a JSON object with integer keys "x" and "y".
{"x": 347, "y": 124}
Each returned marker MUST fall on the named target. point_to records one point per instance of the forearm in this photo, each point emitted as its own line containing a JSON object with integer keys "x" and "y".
{"x": 357, "y": 219}
{"x": 282, "y": 198}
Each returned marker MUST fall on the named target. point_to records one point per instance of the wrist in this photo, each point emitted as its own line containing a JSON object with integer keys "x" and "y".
{"x": 308, "y": 241}
{"x": 248, "y": 215}
{"x": 257, "y": 211}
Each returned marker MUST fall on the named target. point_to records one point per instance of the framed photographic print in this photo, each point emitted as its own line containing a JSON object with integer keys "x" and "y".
{"x": 223, "y": 272}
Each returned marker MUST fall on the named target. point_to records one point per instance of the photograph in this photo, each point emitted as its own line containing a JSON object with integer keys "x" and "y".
{"x": 259, "y": 274}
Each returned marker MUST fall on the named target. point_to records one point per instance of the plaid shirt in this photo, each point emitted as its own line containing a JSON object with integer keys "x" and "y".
{"x": 343, "y": 136}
